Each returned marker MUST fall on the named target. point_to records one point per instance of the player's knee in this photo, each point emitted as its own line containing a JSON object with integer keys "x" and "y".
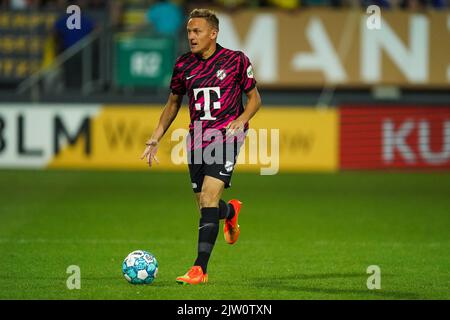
{"x": 208, "y": 200}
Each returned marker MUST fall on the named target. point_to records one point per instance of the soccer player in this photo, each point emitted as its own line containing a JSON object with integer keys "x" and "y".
{"x": 214, "y": 79}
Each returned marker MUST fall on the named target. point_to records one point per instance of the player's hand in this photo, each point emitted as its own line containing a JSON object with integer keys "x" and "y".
{"x": 150, "y": 151}
{"x": 234, "y": 127}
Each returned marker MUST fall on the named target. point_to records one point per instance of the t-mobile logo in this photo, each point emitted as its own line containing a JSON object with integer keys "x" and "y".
{"x": 207, "y": 101}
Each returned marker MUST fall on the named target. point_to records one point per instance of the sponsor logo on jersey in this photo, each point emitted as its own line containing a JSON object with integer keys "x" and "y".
{"x": 207, "y": 101}
{"x": 250, "y": 71}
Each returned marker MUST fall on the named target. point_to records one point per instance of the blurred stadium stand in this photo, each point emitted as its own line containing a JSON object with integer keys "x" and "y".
{"x": 344, "y": 96}
{"x": 34, "y": 66}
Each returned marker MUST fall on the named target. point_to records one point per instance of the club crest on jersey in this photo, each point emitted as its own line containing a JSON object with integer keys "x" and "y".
{"x": 229, "y": 166}
{"x": 220, "y": 74}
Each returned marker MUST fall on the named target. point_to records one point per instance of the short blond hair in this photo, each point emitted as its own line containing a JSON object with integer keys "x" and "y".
{"x": 207, "y": 14}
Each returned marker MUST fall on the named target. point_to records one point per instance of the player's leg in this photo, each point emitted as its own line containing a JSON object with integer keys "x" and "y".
{"x": 212, "y": 190}
{"x": 208, "y": 183}
{"x": 226, "y": 210}
{"x": 208, "y": 200}
{"x": 230, "y": 211}
{"x": 197, "y": 200}
{"x": 197, "y": 176}
{"x": 231, "y": 228}
{"x": 223, "y": 171}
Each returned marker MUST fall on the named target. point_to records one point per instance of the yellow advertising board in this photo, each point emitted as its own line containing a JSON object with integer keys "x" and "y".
{"x": 280, "y": 139}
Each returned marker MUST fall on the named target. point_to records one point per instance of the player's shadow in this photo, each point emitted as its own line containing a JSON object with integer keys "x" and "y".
{"x": 164, "y": 283}
{"x": 296, "y": 283}
{"x": 300, "y": 276}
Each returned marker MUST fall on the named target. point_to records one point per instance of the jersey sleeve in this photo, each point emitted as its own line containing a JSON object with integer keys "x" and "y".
{"x": 246, "y": 77}
{"x": 177, "y": 84}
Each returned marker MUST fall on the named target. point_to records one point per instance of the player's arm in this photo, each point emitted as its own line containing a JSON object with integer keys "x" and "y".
{"x": 167, "y": 116}
{"x": 165, "y": 120}
{"x": 252, "y": 106}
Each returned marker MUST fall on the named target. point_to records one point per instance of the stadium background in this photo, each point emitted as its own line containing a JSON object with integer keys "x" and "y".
{"x": 364, "y": 129}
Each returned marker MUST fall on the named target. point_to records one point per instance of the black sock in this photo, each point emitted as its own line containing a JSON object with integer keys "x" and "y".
{"x": 207, "y": 235}
{"x": 226, "y": 211}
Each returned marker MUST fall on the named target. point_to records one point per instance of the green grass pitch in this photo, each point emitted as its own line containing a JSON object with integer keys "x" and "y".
{"x": 303, "y": 236}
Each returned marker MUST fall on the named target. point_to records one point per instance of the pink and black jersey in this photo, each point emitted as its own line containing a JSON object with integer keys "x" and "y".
{"x": 214, "y": 87}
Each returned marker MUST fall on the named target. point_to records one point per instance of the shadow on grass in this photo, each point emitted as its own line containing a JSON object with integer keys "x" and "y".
{"x": 321, "y": 276}
{"x": 294, "y": 283}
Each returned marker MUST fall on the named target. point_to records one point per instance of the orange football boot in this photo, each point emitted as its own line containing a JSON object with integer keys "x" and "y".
{"x": 231, "y": 228}
{"x": 194, "y": 276}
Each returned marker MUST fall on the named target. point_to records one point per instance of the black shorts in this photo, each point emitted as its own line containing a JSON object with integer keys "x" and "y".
{"x": 213, "y": 163}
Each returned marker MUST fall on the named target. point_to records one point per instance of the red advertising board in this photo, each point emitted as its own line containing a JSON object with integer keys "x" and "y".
{"x": 398, "y": 137}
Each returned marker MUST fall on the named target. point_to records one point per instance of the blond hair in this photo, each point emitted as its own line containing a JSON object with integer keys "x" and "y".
{"x": 208, "y": 15}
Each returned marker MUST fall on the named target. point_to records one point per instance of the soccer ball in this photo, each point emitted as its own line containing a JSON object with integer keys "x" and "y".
{"x": 140, "y": 267}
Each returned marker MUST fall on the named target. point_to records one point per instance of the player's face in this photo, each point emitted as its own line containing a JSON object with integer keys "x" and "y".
{"x": 201, "y": 35}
